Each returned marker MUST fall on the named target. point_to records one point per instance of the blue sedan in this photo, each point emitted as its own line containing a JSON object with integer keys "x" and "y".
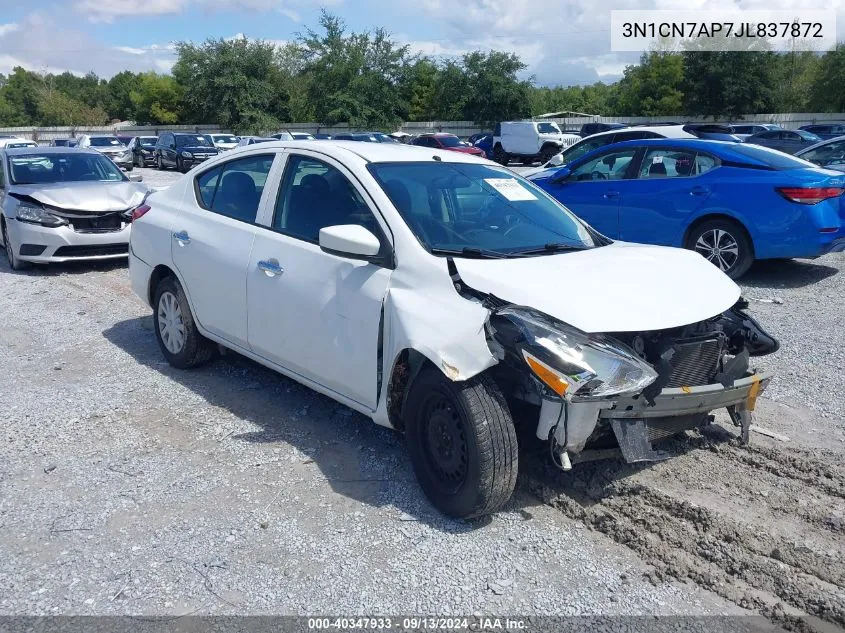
{"x": 731, "y": 202}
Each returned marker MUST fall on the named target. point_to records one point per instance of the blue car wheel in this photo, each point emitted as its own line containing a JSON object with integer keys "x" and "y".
{"x": 724, "y": 244}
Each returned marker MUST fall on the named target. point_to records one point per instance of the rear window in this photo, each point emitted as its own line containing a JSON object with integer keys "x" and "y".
{"x": 771, "y": 158}
{"x": 807, "y": 136}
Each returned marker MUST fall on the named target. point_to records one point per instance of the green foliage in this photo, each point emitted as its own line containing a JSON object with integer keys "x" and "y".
{"x": 827, "y": 93}
{"x": 728, "y": 84}
{"x": 653, "y": 88}
{"x": 156, "y": 99}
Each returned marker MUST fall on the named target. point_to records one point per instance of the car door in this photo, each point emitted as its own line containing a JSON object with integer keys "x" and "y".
{"x": 592, "y": 190}
{"x": 314, "y": 313}
{"x": 790, "y": 142}
{"x": 170, "y": 151}
{"x": 671, "y": 185}
{"x": 770, "y": 139}
{"x": 212, "y": 242}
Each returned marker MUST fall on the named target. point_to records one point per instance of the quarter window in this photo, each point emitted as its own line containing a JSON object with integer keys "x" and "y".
{"x": 315, "y": 195}
{"x": 664, "y": 163}
{"x": 234, "y": 189}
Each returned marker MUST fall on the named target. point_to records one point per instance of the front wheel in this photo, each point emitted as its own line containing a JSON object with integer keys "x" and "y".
{"x": 14, "y": 262}
{"x": 462, "y": 443}
{"x": 178, "y": 337}
{"x": 159, "y": 164}
{"x": 500, "y": 155}
{"x": 724, "y": 244}
{"x": 546, "y": 154}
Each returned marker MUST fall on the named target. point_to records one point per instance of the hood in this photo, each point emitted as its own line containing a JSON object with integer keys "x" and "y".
{"x": 466, "y": 150}
{"x": 96, "y": 197}
{"x": 114, "y": 149}
{"x": 622, "y": 287}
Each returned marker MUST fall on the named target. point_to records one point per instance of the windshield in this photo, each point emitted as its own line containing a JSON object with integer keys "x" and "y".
{"x": 771, "y": 157}
{"x": 548, "y": 128}
{"x": 185, "y": 140}
{"x": 32, "y": 169}
{"x": 148, "y": 141}
{"x": 450, "y": 141}
{"x": 456, "y": 206}
{"x": 105, "y": 141}
{"x": 225, "y": 138}
{"x": 17, "y": 145}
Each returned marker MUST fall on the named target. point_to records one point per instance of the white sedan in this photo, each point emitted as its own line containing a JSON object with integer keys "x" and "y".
{"x": 437, "y": 293}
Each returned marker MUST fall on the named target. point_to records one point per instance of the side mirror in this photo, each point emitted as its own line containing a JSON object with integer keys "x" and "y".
{"x": 555, "y": 161}
{"x": 136, "y": 177}
{"x": 349, "y": 240}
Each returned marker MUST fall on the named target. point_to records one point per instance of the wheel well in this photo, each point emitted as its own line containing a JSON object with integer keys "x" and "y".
{"x": 717, "y": 216}
{"x": 548, "y": 145}
{"x": 159, "y": 272}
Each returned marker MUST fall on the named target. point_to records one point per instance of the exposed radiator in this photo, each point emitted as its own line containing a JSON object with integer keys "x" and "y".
{"x": 695, "y": 363}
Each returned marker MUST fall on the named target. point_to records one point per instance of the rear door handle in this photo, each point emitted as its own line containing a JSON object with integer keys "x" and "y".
{"x": 698, "y": 190}
{"x": 611, "y": 194}
{"x": 182, "y": 237}
{"x": 270, "y": 267}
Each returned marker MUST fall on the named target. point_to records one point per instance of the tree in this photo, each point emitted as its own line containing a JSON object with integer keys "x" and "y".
{"x": 56, "y": 108}
{"x": 728, "y": 83}
{"x": 21, "y": 95}
{"x": 156, "y": 100}
{"x": 354, "y": 77}
{"x": 494, "y": 90}
{"x": 828, "y": 92}
{"x": 653, "y": 88}
{"x": 119, "y": 87}
{"x": 235, "y": 83}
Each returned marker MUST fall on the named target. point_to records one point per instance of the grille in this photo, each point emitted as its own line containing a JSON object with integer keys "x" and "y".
{"x": 695, "y": 363}
{"x": 97, "y": 224}
{"x": 92, "y": 251}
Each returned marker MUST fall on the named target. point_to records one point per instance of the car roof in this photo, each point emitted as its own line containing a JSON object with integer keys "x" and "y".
{"x": 668, "y": 131}
{"x": 370, "y": 152}
{"x": 22, "y": 151}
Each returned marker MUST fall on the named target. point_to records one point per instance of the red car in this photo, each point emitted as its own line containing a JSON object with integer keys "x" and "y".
{"x": 447, "y": 141}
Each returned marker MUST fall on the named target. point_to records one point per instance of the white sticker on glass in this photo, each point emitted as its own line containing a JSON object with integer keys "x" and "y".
{"x": 510, "y": 188}
{"x": 657, "y": 159}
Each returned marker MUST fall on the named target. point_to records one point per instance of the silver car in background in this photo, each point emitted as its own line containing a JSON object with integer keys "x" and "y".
{"x": 109, "y": 146}
{"x": 59, "y": 204}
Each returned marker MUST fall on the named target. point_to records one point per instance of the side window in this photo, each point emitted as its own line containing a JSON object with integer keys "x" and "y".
{"x": 206, "y": 185}
{"x": 666, "y": 163}
{"x": 235, "y": 187}
{"x": 830, "y": 154}
{"x": 610, "y": 166}
{"x": 585, "y": 147}
{"x": 315, "y": 195}
{"x": 704, "y": 163}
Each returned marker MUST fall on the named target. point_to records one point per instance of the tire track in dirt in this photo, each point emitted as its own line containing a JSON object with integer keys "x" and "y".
{"x": 783, "y": 573}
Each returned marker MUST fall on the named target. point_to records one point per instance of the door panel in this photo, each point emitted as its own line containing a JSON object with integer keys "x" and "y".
{"x": 313, "y": 313}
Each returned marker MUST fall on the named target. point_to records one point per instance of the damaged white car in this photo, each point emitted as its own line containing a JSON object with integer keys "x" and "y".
{"x": 437, "y": 293}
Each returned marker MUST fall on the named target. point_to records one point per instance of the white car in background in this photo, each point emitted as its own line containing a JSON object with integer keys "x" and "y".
{"x": 110, "y": 146}
{"x": 14, "y": 141}
{"x": 224, "y": 141}
{"x": 633, "y": 133}
{"x": 431, "y": 291}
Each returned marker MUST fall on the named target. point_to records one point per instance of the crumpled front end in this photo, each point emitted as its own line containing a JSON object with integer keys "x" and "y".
{"x": 600, "y": 394}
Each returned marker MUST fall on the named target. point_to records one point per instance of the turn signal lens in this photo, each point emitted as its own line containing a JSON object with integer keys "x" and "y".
{"x": 139, "y": 212}
{"x": 552, "y": 379}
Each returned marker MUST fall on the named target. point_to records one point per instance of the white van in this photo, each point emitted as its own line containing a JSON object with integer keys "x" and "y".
{"x": 529, "y": 141}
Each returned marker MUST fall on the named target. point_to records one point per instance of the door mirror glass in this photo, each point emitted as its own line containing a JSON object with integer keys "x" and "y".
{"x": 349, "y": 240}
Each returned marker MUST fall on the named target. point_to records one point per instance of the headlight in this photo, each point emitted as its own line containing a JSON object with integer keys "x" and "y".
{"x": 571, "y": 362}
{"x": 38, "y": 215}
{"x": 187, "y": 155}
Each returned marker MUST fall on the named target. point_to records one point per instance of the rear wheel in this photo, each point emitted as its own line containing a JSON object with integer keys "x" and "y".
{"x": 500, "y": 155}
{"x": 724, "y": 244}
{"x": 547, "y": 152}
{"x": 178, "y": 337}
{"x": 462, "y": 443}
{"x": 14, "y": 262}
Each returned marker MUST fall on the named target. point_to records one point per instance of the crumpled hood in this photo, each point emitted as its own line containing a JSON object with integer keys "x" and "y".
{"x": 86, "y": 196}
{"x": 622, "y": 287}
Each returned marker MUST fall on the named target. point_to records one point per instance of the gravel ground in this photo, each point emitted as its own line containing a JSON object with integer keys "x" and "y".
{"x": 128, "y": 487}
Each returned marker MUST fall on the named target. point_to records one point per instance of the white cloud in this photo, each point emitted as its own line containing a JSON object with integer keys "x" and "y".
{"x": 9, "y": 28}
{"x": 110, "y": 10}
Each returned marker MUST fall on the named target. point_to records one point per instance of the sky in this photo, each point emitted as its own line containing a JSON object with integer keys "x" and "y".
{"x": 563, "y": 42}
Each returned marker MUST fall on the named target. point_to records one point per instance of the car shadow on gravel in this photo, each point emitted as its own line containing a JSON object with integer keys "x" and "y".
{"x": 358, "y": 459}
{"x": 786, "y": 273}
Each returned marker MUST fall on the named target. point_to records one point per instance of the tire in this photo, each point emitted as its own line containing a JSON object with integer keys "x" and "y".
{"x": 159, "y": 164}
{"x": 527, "y": 162}
{"x": 725, "y": 244}
{"x": 462, "y": 443}
{"x": 500, "y": 155}
{"x": 179, "y": 166}
{"x": 130, "y": 168}
{"x": 547, "y": 152}
{"x": 136, "y": 162}
{"x": 171, "y": 305}
{"x": 14, "y": 262}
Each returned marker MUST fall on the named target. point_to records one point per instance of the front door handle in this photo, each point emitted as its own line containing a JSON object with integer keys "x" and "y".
{"x": 270, "y": 267}
{"x": 698, "y": 190}
{"x": 611, "y": 194}
{"x": 182, "y": 237}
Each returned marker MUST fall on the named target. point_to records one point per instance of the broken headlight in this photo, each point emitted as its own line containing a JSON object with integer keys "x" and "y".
{"x": 571, "y": 362}
{"x": 34, "y": 214}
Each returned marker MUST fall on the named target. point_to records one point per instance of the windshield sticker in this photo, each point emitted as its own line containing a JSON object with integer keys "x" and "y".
{"x": 510, "y": 188}
{"x": 657, "y": 159}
